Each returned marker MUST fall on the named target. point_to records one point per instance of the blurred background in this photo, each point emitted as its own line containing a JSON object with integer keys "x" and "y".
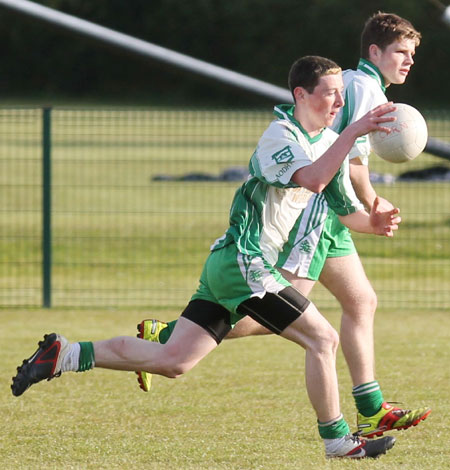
{"x": 259, "y": 38}
{"x": 117, "y": 171}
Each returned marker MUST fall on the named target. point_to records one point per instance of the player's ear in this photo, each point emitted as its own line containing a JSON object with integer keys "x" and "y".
{"x": 374, "y": 52}
{"x": 299, "y": 93}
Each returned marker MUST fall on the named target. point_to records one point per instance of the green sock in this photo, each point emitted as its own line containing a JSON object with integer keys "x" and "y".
{"x": 333, "y": 429}
{"x": 87, "y": 359}
{"x": 368, "y": 398}
{"x": 165, "y": 334}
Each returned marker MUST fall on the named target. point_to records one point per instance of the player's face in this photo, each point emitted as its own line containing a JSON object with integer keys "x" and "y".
{"x": 396, "y": 61}
{"x": 325, "y": 101}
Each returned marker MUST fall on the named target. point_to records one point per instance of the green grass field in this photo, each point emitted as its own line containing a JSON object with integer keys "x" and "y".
{"x": 243, "y": 408}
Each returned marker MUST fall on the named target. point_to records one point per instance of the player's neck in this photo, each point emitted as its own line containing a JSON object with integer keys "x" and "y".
{"x": 306, "y": 122}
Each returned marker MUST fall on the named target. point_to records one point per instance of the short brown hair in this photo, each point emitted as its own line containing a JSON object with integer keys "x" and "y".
{"x": 383, "y": 29}
{"x": 306, "y": 72}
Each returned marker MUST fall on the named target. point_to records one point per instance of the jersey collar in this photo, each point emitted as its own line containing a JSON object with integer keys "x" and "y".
{"x": 286, "y": 111}
{"x": 373, "y": 71}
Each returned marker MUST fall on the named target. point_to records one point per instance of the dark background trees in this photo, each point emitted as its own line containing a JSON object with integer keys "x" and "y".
{"x": 259, "y": 38}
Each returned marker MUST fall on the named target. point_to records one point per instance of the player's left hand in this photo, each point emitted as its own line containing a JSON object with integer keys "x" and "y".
{"x": 384, "y": 217}
{"x": 383, "y": 204}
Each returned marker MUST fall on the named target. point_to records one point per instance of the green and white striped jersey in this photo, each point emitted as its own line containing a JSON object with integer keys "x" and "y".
{"x": 364, "y": 90}
{"x": 267, "y": 205}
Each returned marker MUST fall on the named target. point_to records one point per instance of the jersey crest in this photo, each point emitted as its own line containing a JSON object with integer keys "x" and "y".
{"x": 284, "y": 155}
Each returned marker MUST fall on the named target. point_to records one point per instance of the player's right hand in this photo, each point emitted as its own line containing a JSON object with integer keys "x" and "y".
{"x": 374, "y": 119}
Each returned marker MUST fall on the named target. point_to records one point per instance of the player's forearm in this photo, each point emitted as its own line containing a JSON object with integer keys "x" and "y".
{"x": 317, "y": 175}
{"x": 366, "y": 194}
{"x": 360, "y": 177}
{"x": 358, "y": 222}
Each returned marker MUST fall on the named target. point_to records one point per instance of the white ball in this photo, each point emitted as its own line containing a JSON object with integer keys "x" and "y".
{"x": 408, "y": 137}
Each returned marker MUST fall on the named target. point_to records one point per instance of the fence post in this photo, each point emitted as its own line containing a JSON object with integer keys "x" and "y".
{"x": 46, "y": 210}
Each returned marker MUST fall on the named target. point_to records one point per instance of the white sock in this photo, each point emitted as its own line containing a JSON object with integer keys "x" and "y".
{"x": 72, "y": 358}
{"x": 332, "y": 445}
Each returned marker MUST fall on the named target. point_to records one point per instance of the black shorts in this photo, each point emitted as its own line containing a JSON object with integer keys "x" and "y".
{"x": 273, "y": 311}
{"x": 212, "y": 317}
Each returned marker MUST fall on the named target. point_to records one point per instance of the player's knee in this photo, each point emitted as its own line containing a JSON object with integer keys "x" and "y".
{"x": 174, "y": 365}
{"x": 332, "y": 339}
{"x": 326, "y": 341}
{"x": 362, "y": 305}
{"x": 173, "y": 372}
{"x": 373, "y": 301}
{"x": 367, "y": 296}
{"x": 367, "y": 303}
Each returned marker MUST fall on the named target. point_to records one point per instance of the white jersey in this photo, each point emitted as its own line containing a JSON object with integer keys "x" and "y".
{"x": 364, "y": 90}
{"x": 266, "y": 207}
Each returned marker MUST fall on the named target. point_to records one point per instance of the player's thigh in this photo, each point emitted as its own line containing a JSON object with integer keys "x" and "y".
{"x": 188, "y": 344}
{"x": 291, "y": 315}
{"x": 312, "y": 330}
{"x": 302, "y": 284}
{"x": 248, "y": 327}
{"x": 275, "y": 311}
{"x": 345, "y": 278}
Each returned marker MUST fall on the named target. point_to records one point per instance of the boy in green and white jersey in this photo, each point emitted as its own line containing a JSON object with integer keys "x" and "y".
{"x": 266, "y": 207}
{"x": 239, "y": 278}
{"x": 320, "y": 247}
{"x": 326, "y": 251}
{"x": 284, "y": 148}
{"x": 364, "y": 89}
{"x": 318, "y": 234}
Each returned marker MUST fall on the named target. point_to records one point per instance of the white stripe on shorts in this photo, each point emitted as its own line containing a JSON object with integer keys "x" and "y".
{"x": 307, "y": 237}
{"x": 259, "y": 279}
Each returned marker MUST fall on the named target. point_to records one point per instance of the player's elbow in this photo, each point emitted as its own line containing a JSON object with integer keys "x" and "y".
{"x": 310, "y": 179}
{"x": 311, "y": 183}
{"x": 316, "y": 186}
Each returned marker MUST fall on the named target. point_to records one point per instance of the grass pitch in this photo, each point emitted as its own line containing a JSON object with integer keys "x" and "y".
{"x": 244, "y": 407}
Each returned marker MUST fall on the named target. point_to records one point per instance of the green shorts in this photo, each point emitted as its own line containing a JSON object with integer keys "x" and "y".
{"x": 230, "y": 277}
{"x": 305, "y": 254}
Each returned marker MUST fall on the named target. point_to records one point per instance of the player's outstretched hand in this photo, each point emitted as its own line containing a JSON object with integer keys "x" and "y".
{"x": 384, "y": 221}
{"x": 384, "y": 205}
{"x": 374, "y": 119}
